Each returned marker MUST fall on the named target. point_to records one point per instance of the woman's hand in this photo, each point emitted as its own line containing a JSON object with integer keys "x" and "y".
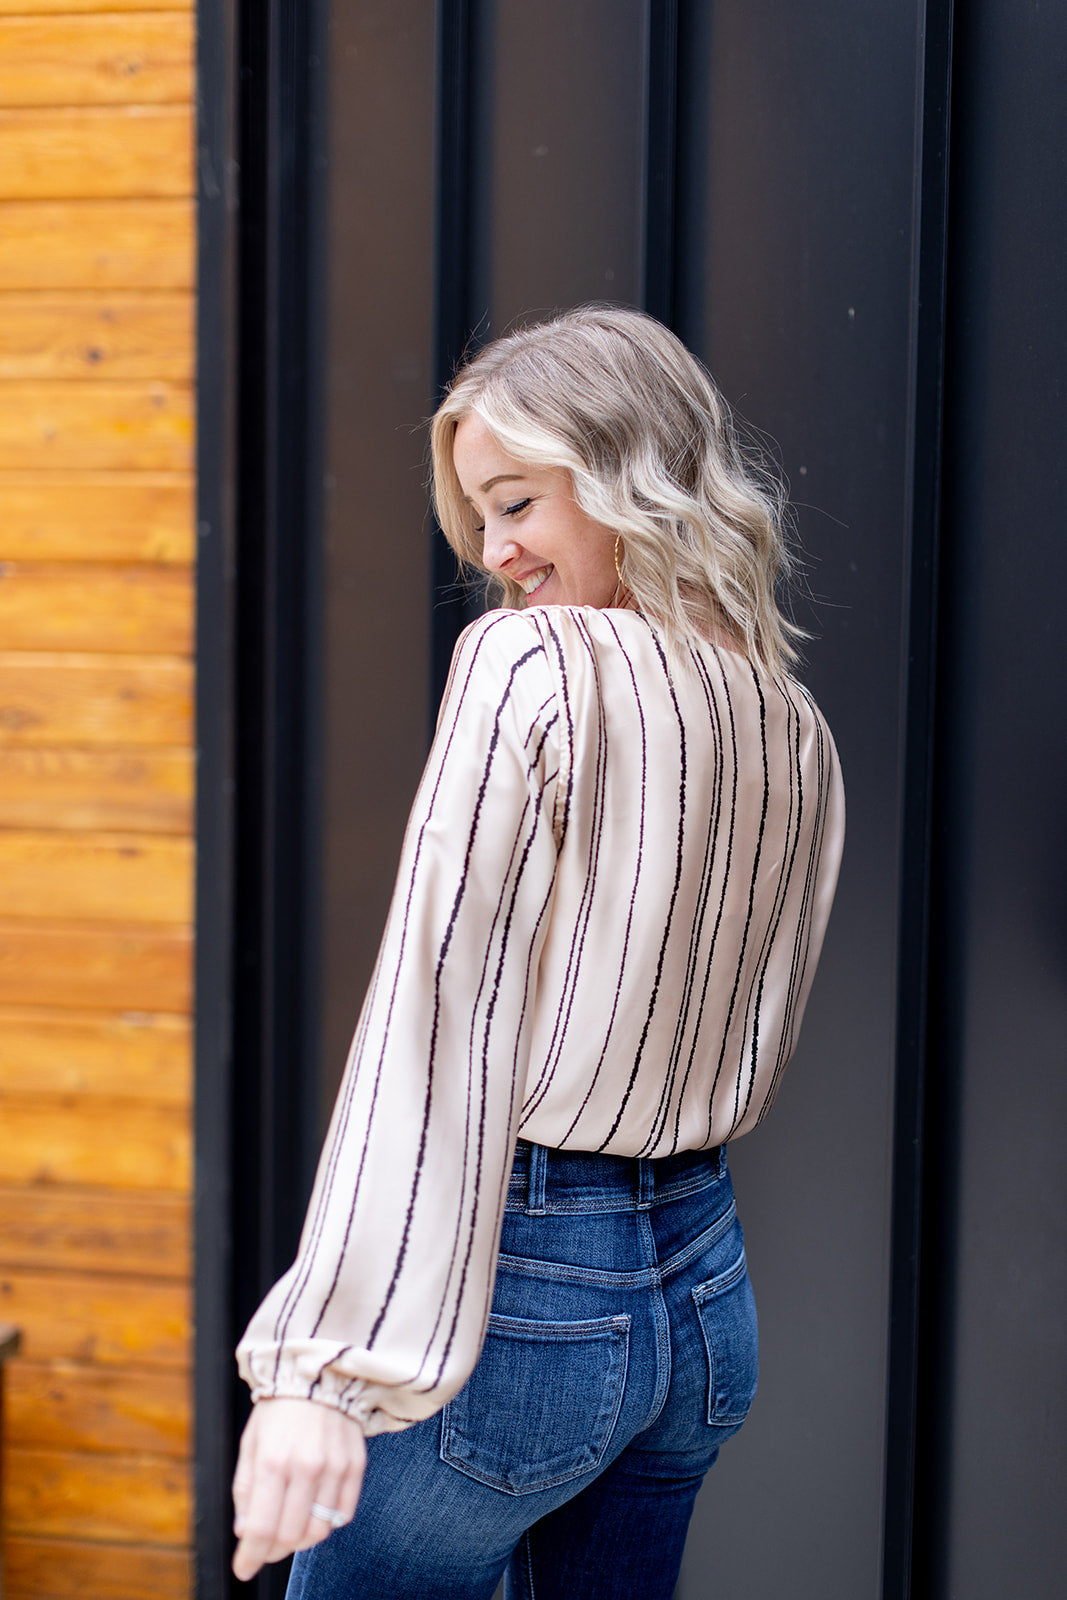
{"x": 294, "y": 1454}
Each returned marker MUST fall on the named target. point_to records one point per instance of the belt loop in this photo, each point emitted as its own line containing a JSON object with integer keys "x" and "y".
{"x": 645, "y": 1183}
{"x": 535, "y": 1181}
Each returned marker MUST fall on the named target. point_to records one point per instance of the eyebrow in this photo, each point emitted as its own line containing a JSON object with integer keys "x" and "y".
{"x": 501, "y": 477}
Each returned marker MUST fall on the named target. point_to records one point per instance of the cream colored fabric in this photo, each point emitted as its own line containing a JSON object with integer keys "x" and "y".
{"x": 610, "y": 903}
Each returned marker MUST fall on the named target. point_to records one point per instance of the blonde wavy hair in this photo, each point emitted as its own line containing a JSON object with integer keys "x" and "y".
{"x": 617, "y": 400}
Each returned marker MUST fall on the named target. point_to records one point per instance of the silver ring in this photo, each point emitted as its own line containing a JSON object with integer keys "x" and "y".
{"x": 336, "y": 1519}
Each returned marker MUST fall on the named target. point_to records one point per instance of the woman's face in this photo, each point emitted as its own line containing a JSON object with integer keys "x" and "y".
{"x": 532, "y": 529}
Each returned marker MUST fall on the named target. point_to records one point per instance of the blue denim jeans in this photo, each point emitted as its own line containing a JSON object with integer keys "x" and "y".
{"x": 621, "y": 1352}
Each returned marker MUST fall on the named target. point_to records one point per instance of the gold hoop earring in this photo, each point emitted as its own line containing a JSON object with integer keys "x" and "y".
{"x": 618, "y": 569}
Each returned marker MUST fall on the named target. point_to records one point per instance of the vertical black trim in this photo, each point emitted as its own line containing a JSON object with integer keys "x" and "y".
{"x": 661, "y": 159}
{"x": 451, "y": 605}
{"x": 453, "y": 211}
{"x": 215, "y": 737}
{"x": 990, "y": 1446}
{"x": 277, "y": 558}
{"x": 258, "y": 600}
{"x": 275, "y": 1082}
{"x": 911, "y": 1156}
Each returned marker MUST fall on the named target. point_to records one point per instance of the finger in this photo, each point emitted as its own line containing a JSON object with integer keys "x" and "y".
{"x": 352, "y": 1480}
{"x": 316, "y": 1527}
{"x": 336, "y": 1490}
{"x": 339, "y": 1486}
{"x": 315, "y": 1480}
{"x": 245, "y": 1472}
{"x": 300, "y": 1526}
{"x": 259, "y": 1521}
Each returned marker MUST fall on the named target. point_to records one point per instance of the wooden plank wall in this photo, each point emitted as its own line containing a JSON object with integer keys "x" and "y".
{"x": 96, "y": 611}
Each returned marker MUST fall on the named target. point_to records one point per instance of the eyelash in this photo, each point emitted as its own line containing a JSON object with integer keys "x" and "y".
{"x": 509, "y": 511}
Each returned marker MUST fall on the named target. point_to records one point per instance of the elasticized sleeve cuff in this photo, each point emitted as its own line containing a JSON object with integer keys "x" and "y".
{"x": 297, "y": 1373}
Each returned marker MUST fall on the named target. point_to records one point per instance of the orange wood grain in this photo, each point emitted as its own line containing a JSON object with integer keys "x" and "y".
{"x": 96, "y": 153}
{"x": 50, "y": 699}
{"x": 88, "y": 334}
{"x": 97, "y": 265}
{"x": 105, "y": 425}
{"x": 88, "y": 1230}
{"x": 103, "y": 516}
{"x": 78, "y": 966}
{"x": 147, "y": 791}
{"x": 107, "y": 244}
{"x": 109, "y": 58}
{"x": 96, "y": 1317}
{"x": 91, "y": 606}
{"x": 110, "y": 877}
{"x": 65, "y": 1405}
{"x": 116, "y": 1144}
{"x": 68, "y": 1569}
{"x": 44, "y": 7}
{"x": 135, "y": 1055}
{"x": 134, "y": 1497}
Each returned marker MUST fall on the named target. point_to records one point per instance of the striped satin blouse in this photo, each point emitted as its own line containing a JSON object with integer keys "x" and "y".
{"x": 611, "y": 899}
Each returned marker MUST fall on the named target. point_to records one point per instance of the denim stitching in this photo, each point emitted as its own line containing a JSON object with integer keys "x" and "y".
{"x": 620, "y": 1323}
{"x": 661, "y": 1321}
{"x": 453, "y": 1434}
{"x": 529, "y": 1564}
{"x": 679, "y": 1189}
{"x": 535, "y": 1184}
{"x": 702, "y": 1293}
{"x": 716, "y": 1286}
{"x": 640, "y": 1278}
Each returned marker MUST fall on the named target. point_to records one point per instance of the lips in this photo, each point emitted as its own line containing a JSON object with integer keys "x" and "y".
{"x": 534, "y": 581}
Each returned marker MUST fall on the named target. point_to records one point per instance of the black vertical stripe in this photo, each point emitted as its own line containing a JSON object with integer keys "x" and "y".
{"x": 516, "y": 881}
{"x": 753, "y": 876}
{"x": 635, "y": 881}
{"x": 796, "y": 790}
{"x": 584, "y": 911}
{"x": 682, "y": 772}
{"x": 431, "y": 1066}
{"x": 715, "y": 840}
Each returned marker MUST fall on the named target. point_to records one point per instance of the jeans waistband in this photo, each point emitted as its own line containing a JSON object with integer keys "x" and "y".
{"x": 544, "y": 1180}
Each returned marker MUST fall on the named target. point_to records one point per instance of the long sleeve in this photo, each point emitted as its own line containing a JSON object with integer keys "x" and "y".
{"x": 383, "y": 1312}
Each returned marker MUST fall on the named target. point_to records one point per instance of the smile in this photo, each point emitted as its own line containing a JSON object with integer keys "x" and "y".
{"x": 531, "y": 584}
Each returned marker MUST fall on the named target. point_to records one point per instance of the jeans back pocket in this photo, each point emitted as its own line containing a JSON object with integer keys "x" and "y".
{"x": 726, "y": 1308}
{"x": 540, "y": 1406}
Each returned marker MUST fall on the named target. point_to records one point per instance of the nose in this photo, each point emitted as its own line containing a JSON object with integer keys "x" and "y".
{"x": 499, "y": 549}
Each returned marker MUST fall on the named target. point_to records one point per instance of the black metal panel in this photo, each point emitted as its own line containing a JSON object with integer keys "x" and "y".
{"x": 541, "y": 157}
{"x": 453, "y": 318}
{"x": 276, "y": 617}
{"x": 453, "y": 603}
{"x": 997, "y": 1397}
{"x": 378, "y": 378}
{"x": 796, "y": 196}
{"x": 661, "y": 159}
{"x": 915, "y": 1163}
{"x": 559, "y": 156}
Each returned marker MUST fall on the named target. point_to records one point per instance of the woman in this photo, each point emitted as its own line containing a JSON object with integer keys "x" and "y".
{"x": 611, "y": 899}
